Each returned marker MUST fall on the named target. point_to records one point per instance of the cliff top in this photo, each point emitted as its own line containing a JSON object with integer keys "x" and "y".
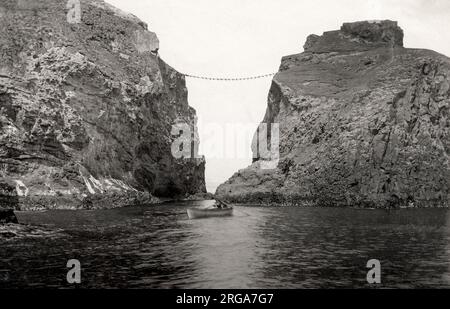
{"x": 357, "y": 36}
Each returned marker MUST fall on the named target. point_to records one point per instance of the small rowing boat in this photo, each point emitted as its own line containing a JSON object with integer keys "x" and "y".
{"x": 197, "y": 213}
{"x": 223, "y": 210}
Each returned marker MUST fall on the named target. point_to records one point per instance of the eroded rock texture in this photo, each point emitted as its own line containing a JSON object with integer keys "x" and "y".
{"x": 363, "y": 122}
{"x": 86, "y": 109}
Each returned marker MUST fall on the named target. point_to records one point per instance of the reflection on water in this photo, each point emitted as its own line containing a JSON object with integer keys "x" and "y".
{"x": 159, "y": 247}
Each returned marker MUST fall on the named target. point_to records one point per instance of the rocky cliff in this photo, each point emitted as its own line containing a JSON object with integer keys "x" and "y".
{"x": 363, "y": 122}
{"x": 86, "y": 109}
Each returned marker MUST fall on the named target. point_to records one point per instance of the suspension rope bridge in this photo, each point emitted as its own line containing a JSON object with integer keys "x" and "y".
{"x": 229, "y": 79}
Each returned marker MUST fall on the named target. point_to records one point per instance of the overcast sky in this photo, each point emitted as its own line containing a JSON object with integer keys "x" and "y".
{"x": 235, "y": 38}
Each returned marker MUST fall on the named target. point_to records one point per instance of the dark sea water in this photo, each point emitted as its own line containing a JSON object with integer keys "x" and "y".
{"x": 259, "y": 247}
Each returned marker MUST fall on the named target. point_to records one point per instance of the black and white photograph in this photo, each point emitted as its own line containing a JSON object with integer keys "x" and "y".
{"x": 210, "y": 145}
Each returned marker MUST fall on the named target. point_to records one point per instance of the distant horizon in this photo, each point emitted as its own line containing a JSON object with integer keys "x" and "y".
{"x": 212, "y": 38}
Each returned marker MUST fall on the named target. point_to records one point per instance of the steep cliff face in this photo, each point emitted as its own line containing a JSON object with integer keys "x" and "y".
{"x": 86, "y": 109}
{"x": 363, "y": 122}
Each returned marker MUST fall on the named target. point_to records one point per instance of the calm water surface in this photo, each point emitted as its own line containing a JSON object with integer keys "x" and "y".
{"x": 159, "y": 247}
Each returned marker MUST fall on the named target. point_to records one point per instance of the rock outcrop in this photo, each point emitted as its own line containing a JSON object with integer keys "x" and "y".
{"x": 363, "y": 122}
{"x": 86, "y": 109}
{"x": 7, "y": 216}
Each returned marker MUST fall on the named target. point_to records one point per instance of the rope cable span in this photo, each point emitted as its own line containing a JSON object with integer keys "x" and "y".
{"x": 230, "y": 79}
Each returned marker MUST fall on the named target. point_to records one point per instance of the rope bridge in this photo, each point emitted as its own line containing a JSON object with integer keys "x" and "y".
{"x": 232, "y": 79}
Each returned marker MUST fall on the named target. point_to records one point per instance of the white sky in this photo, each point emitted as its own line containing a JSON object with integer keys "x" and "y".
{"x": 235, "y": 38}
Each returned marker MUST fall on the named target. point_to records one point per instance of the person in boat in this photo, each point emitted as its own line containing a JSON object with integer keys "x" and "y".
{"x": 221, "y": 205}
